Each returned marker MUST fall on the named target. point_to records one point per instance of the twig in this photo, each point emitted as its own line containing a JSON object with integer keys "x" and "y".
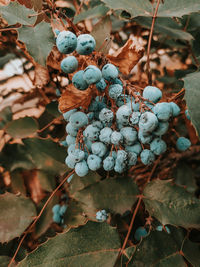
{"x": 49, "y": 124}
{"x": 149, "y": 77}
{"x": 39, "y": 215}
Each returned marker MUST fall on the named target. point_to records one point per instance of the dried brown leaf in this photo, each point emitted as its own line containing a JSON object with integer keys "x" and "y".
{"x": 4, "y": 2}
{"x": 74, "y": 98}
{"x": 41, "y": 77}
{"x": 127, "y": 56}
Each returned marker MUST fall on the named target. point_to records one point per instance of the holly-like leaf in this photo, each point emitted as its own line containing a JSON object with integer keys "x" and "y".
{"x": 17, "y": 182}
{"x": 191, "y": 252}
{"x": 22, "y": 127}
{"x": 192, "y": 96}
{"x": 46, "y": 180}
{"x": 39, "y": 41}
{"x": 41, "y": 77}
{"x": 17, "y": 212}
{"x": 94, "y": 244}
{"x": 5, "y": 116}
{"x": 16, "y": 13}
{"x": 168, "y": 202}
{"x": 4, "y": 261}
{"x": 115, "y": 195}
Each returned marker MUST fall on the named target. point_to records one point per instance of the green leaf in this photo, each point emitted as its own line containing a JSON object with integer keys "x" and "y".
{"x": 191, "y": 252}
{"x": 17, "y": 182}
{"x": 192, "y": 96}
{"x": 165, "y": 26}
{"x": 47, "y": 155}
{"x": 134, "y": 7}
{"x": 168, "y": 202}
{"x": 39, "y": 41}
{"x": 16, "y": 13}
{"x": 47, "y": 180}
{"x": 22, "y": 127}
{"x": 91, "y": 13}
{"x": 159, "y": 249}
{"x": 4, "y": 261}
{"x": 115, "y": 195}
{"x": 5, "y": 117}
{"x": 178, "y": 8}
{"x": 94, "y": 244}
{"x": 17, "y": 212}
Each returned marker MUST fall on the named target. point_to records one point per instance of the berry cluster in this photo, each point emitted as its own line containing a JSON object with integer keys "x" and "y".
{"x": 101, "y": 215}
{"x": 58, "y": 213}
{"x": 121, "y": 125}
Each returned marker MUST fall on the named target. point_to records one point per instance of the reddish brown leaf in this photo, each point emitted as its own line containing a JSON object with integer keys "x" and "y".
{"x": 74, "y": 98}
{"x": 127, "y": 56}
{"x": 54, "y": 58}
{"x": 41, "y": 77}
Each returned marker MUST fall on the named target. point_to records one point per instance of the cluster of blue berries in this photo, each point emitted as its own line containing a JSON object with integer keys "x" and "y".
{"x": 58, "y": 213}
{"x": 101, "y": 215}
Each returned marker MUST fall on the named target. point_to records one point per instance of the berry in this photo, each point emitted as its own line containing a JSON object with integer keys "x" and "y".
{"x": 147, "y": 157}
{"x": 70, "y": 140}
{"x": 129, "y": 134}
{"x": 67, "y": 114}
{"x": 77, "y": 155}
{"x": 158, "y": 146}
{"x": 106, "y": 115}
{"x": 94, "y": 162}
{"x": 161, "y": 128}
{"x": 115, "y": 91}
{"x": 148, "y": 122}
{"x": 122, "y": 99}
{"x": 85, "y": 44}
{"x": 121, "y": 156}
{"x": 117, "y": 81}
{"x": 70, "y": 162}
{"x": 132, "y": 158}
{"x": 134, "y": 118}
{"x": 101, "y": 85}
{"x": 78, "y": 80}
{"x": 91, "y": 132}
{"x": 101, "y": 215}
{"x": 56, "y": 208}
{"x": 175, "y": 109}
{"x": 183, "y": 143}
{"x": 152, "y": 93}
{"x": 116, "y": 138}
{"x": 105, "y": 135}
{"x": 136, "y": 148}
{"x": 187, "y": 115}
{"x": 71, "y": 130}
{"x": 160, "y": 228}
{"x": 63, "y": 209}
{"x": 97, "y": 124}
{"x": 133, "y": 105}
{"x": 163, "y": 111}
{"x": 56, "y": 218}
{"x": 92, "y": 74}
{"x": 108, "y": 163}
{"x": 144, "y": 138}
{"x": 66, "y": 42}
{"x": 119, "y": 167}
{"x": 70, "y": 178}
{"x": 109, "y": 72}
{"x": 81, "y": 168}
{"x": 71, "y": 148}
{"x": 123, "y": 114}
{"x": 78, "y": 119}
{"x": 99, "y": 149}
{"x": 88, "y": 144}
{"x": 140, "y": 232}
{"x": 69, "y": 64}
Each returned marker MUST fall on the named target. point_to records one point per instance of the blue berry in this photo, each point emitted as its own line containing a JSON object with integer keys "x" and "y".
{"x": 78, "y": 119}
{"x": 134, "y": 106}
{"x": 91, "y": 132}
{"x": 136, "y": 148}
{"x": 182, "y": 143}
{"x": 163, "y": 111}
{"x": 175, "y": 109}
{"x": 70, "y": 162}
{"x": 108, "y": 163}
{"x": 63, "y": 143}
{"x": 152, "y": 93}
{"x": 85, "y": 44}
{"x": 92, "y": 74}
{"x": 71, "y": 130}
{"x": 101, "y": 85}
{"x": 122, "y": 156}
{"x": 67, "y": 114}
{"x": 161, "y": 128}
{"x": 148, "y": 122}
{"x": 149, "y": 105}
{"x": 57, "y": 32}
{"x": 140, "y": 232}
{"x": 160, "y": 228}
{"x": 66, "y": 42}
{"x": 116, "y": 138}
{"x": 187, "y": 115}
{"x": 105, "y": 135}
{"x": 115, "y": 91}
{"x": 144, "y": 138}
{"x": 90, "y": 116}
{"x": 63, "y": 209}
{"x": 69, "y": 64}
{"x": 81, "y": 168}
{"x": 119, "y": 166}
{"x": 106, "y": 115}
{"x": 132, "y": 158}
{"x": 122, "y": 100}
{"x": 99, "y": 149}
{"x": 77, "y": 155}
{"x": 109, "y": 72}
{"x": 123, "y": 114}
{"x": 94, "y": 162}
{"x": 70, "y": 140}
{"x": 71, "y": 148}
{"x": 56, "y": 218}
{"x": 70, "y": 178}
{"x": 78, "y": 80}
{"x": 97, "y": 124}
{"x": 101, "y": 215}
{"x": 147, "y": 157}
{"x": 134, "y": 118}
{"x": 88, "y": 144}
{"x": 117, "y": 81}
{"x": 158, "y": 146}
{"x": 56, "y": 208}
{"x": 129, "y": 134}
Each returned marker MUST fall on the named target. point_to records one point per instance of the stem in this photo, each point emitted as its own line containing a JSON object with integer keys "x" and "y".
{"x": 149, "y": 77}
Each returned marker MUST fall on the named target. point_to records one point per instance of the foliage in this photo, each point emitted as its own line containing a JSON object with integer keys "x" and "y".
{"x": 33, "y": 147}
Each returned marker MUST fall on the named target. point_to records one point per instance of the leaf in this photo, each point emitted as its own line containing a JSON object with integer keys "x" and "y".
{"x": 178, "y": 8}
{"x": 159, "y": 249}
{"x": 47, "y": 180}
{"x": 168, "y": 202}
{"x": 16, "y": 13}
{"x": 5, "y": 117}
{"x": 165, "y": 26}
{"x": 192, "y": 96}
{"x": 22, "y": 127}
{"x": 17, "y": 182}
{"x": 17, "y": 212}
{"x": 134, "y": 7}
{"x": 46, "y": 155}
{"x": 127, "y": 56}
{"x": 100, "y": 196}
{"x": 39, "y": 41}
{"x": 41, "y": 77}
{"x": 73, "y": 98}
{"x": 94, "y": 244}
{"x": 4, "y": 261}
{"x": 191, "y": 252}
{"x": 101, "y": 33}
{"x": 91, "y": 13}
